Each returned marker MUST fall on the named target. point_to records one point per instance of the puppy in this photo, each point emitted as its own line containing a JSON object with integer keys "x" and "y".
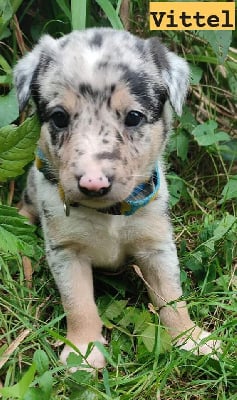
{"x": 98, "y": 187}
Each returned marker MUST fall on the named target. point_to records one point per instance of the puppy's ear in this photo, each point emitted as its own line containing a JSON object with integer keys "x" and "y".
{"x": 174, "y": 72}
{"x": 26, "y": 68}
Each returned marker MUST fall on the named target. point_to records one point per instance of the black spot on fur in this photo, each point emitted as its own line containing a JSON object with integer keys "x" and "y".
{"x": 96, "y": 40}
{"x": 47, "y": 214}
{"x": 103, "y": 65}
{"x": 109, "y": 102}
{"x": 101, "y": 131}
{"x": 40, "y": 103}
{"x": 140, "y": 46}
{"x": 151, "y": 96}
{"x": 106, "y": 155}
{"x": 79, "y": 152}
{"x": 86, "y": 90}
{"x": 158, "y": 52}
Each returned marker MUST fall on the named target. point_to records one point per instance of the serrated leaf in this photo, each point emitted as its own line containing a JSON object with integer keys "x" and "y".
{"x": 74, "y": 360}
{"x": 9, "y": 108}
{"x": 129, "y": 316}
{"x": 115, "y": 309}
{"x": 17, "y": 145}
{"x": 141, "y": 321}
{"x": 16, "y": 235}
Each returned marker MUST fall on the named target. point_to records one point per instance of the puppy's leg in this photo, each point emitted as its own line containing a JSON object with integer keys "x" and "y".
{"x": 73, "y": 276}
{"x": 160, "y": 269}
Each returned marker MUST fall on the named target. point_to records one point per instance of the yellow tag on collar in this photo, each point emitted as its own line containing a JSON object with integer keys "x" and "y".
{"x": 61, "y": 192}
{"x": 38, "y": 163}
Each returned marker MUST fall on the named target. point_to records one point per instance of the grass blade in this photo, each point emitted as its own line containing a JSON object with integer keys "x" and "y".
{"x": 78, "y": 12}
{"x": 110, "y": 13}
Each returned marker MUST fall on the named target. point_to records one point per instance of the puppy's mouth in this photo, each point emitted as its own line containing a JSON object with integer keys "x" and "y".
{"x": 102, "y": 198}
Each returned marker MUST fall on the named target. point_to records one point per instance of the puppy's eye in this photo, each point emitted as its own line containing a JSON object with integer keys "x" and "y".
{"x": 60, "y": 118}
{"x": 134, "y": 118}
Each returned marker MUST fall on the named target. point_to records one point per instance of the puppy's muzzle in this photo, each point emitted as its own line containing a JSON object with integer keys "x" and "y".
{"x": 94, "y": 186}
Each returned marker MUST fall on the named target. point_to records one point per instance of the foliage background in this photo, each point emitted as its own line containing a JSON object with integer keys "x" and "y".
{"x": 202, "y": 174}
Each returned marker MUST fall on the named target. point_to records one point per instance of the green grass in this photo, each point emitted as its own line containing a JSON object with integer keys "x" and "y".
{"x": 201, "y": 160}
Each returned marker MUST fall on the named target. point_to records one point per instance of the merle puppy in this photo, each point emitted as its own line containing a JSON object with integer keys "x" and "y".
{"x": 98, "y": 186}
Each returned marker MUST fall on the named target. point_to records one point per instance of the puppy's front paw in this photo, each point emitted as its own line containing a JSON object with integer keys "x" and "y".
{"x": 197, "y": 342}
{"x": 94, "y": 360}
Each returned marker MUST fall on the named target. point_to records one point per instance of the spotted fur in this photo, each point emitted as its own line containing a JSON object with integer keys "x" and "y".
{"x": 89, "y": 87}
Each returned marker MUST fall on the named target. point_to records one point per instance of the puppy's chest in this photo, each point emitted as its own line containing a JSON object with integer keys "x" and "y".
{"x": 102, "y": 238}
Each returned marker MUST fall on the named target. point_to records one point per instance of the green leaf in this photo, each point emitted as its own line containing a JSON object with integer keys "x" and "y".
{"x": 45, "y": 382}
{"x": 228, "y": 150}
{"x": 5, "y": 66}
{"x": 74, "y": 360}
{"x": 187, "y": 120}
{"x": 232, "y": 80}
{"x": 6, "y": 12}
{"x": 115, "y": 309}
{"x": 17, "y": 145}
{"x": 34, "y": 394}
{"x": 18, "y": 391}
{"x": 176, "y": 188}
{"x": 224, "y": 226}
{"x": 220, "y": 42}
{"x": 16, "y": 235}
{"x": 110, "y": 13}
{"x": 206, "y": 136}
{"x": 105, "y": 353}
{"x": 64, "y": 7}
{"x": 196, "y": 74}
{"x": 142, "y": 320}
{"x": 9, "y": 108}
{"x": 155, "y": 333}
{"x": 182, "y": 141}
{"x": 230, "y": 189}
{"x": 78, "y": 13}
{"x": 41, "y": 361}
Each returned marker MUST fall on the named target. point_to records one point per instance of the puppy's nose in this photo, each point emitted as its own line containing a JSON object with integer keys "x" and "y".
{"x": 94, "y": 186}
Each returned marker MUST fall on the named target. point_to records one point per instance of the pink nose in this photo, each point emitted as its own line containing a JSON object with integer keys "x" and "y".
{"x": 93, "y": 185}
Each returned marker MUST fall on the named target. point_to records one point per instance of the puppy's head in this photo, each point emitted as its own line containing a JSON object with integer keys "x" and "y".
{"x": 102, "y": 97}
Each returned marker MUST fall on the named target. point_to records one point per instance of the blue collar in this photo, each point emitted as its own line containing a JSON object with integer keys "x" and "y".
{"x": 142, "y": 195}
